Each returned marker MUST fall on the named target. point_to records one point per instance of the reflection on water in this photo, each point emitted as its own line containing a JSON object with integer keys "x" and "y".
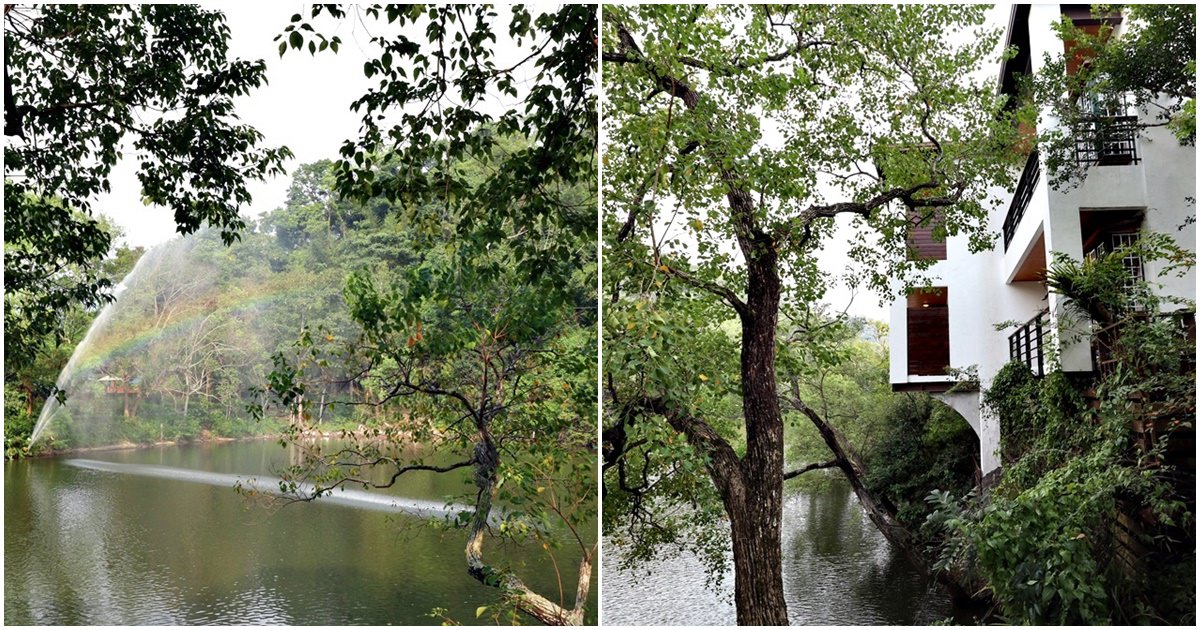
{"x": 837, "y": 569}
{"x": 157, "y": 537}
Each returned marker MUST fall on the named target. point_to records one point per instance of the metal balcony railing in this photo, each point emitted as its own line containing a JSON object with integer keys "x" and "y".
{"x": 1106, "y": 141}
{"x": 1021, "y": 197}
{"x": 1026, "y": 345}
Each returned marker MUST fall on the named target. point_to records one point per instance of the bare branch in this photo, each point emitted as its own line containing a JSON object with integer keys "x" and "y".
{"x": 800, "y": 471}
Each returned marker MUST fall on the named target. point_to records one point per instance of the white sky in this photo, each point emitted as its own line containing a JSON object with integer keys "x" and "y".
{"x": 305, "y": 106}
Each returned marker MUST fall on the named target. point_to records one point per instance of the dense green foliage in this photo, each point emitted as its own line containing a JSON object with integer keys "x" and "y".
{"x": 444, "y": 95}
{"x": 1090, "y": 523}
{"x": 926, "y": 446}
{"x": 82, "y": 84}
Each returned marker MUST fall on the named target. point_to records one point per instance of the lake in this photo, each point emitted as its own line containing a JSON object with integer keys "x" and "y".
{"x": 159, "y": 536}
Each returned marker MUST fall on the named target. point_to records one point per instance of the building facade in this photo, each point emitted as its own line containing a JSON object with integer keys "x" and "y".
{"x": 1135, "y": 181}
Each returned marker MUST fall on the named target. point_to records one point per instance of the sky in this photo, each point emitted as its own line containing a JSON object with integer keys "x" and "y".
{"x": 305, "y": 106}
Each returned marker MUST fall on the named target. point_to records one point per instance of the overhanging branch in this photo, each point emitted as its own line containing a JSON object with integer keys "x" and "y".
{"x": 800, "y": 471}
{"x": 803, "y": 222}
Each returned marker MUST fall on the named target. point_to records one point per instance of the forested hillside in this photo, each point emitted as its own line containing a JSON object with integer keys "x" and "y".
{"x": 197, "y": 324}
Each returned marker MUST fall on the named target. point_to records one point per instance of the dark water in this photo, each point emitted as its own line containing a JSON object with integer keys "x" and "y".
{"x": 837, "y": 570}
{"x": 160, "y": 537}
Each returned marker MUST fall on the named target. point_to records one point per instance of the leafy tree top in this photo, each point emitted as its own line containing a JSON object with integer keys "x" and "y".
{"x": 802, "y": 114}
{"x": 440, "y": 71}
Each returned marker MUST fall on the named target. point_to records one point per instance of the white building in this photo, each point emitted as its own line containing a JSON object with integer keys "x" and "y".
{"x": 1134, "y": 182}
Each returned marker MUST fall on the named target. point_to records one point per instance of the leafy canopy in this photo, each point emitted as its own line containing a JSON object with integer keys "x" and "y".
{"x": 84, "y": 84}
{"x": 447, "y": 92}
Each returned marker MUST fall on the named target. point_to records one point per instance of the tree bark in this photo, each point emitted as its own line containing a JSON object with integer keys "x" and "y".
{"x": 756, "y": 514}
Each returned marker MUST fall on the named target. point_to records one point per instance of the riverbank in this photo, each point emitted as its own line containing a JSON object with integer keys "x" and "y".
{"x": 359, "y": 432}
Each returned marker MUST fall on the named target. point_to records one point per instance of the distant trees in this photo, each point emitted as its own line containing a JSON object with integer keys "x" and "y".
{"x": 81, "y": 80}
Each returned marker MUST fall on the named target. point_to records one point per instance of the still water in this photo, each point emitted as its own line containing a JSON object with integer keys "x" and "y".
{"x": 159, "y": 536}
{"x": 837, "y": 570}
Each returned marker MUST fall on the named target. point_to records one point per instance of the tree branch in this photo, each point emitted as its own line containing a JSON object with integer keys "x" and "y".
{"x": 865, "y": 209}
{"x": 800, "y": 471}
{"x": 724, "y": 465}
{"x": 722, "y": 292}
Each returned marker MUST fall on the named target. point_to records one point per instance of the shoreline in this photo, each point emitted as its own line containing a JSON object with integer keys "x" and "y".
{"x": 308, "y": 434}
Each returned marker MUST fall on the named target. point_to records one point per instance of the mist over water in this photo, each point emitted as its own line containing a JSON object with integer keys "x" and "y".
{"x": 192, "y": 329}
{"x": 349, "y": 497}
{"x": 70, "y": 377}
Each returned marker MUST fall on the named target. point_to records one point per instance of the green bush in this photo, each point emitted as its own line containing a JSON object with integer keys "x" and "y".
{"x": 927, "y": 446}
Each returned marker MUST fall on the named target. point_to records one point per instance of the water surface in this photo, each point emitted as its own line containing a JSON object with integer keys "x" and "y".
{"x": 158, "y": 536}
{"x": 837, "y": 570}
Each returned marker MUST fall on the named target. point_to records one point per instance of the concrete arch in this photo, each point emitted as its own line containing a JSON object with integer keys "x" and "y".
{"x": 987, "y": 428}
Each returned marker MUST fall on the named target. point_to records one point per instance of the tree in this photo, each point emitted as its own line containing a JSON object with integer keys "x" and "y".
{"x": 82, "y": 84}
{"x": 738, "y": 135}
{"x": 487, "y": 335}
{"x": 1151, "y": 67}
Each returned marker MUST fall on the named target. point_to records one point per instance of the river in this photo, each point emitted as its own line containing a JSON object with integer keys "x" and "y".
{"x": 159, "y": 537}
{"x": 837, "y": 570}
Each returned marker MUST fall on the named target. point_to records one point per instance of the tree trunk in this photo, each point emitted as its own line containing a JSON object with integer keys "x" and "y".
{"x": 757, "y": 559}
{"x": 755, "y": 513}
{"x": 487, "y": 459}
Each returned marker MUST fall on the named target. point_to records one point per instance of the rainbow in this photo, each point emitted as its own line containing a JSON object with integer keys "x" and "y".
{"x": 223, "y": 301}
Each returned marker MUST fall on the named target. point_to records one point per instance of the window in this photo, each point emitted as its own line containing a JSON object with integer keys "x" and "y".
{"x": 928, "y": 332}
{"x": 1130, "y": 260}
{"x": 921, "y": 242}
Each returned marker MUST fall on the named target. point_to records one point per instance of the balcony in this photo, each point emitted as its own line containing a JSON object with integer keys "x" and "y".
{"x": 1106, "y": 141}
{"x": 1027, "y": 344}
{"x": 1021, "y": 198}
